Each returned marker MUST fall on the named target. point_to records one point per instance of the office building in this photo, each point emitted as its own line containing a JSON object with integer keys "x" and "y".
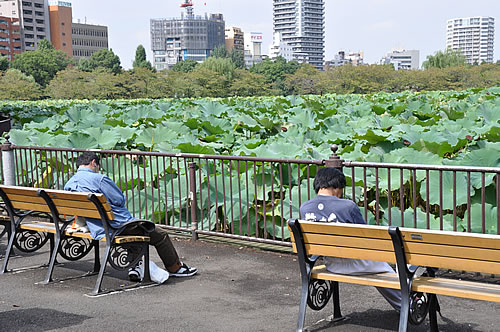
{"x": 402, "y": 59}
{"x": 301, "y": 26}
{"x": 234, "y": 39}
{"x": 342, "y": 59}
{"x": 60, "y": 17}
{"x": 473, "y": 36}
{"x": 188, "y": 37}
{"x": 10, "y": 37}
{"x": 253, "y": 48}
{"x": 88, "y": 39}
{"x": 33, "y": 17}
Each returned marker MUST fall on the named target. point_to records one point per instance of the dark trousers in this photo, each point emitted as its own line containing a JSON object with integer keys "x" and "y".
{"x": 160, "y": 239}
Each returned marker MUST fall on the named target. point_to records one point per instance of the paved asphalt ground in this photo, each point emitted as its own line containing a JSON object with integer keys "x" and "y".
{"x": 237, "y": 289}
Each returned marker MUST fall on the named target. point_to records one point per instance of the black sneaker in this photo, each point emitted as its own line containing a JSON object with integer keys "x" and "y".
{"x": 185, "y": 271}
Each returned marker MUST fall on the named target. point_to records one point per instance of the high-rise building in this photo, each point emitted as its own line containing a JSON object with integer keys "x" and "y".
{"x": 33, "y": 16}
{"x": 301, "y": 25}
{"x": 188, "y": 37}
{"x": 234, "y": 39}
{"x": 10, "y": 37}
{"x": 402, "y": 59}
{"x": 280, "y": 48}
{"x": 473, "y": 36}
{"x": 61, "y": 16}
{"x": 87, "y": 39}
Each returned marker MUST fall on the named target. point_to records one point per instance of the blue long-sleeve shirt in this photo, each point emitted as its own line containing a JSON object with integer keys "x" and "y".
{"x": 86, "y": 180}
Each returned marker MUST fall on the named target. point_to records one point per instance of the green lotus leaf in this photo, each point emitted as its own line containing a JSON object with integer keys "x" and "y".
{"x": 477, "y": 218}
{"x": 20, "y": 137}
{"x": 82, "y": 141}
{"x": 195, "y": 148}
{"x": 447, "y": 189}
{"x": 151, "y": 136}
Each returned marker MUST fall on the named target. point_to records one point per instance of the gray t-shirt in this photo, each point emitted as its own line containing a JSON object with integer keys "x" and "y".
{"x": 333, "y": 209}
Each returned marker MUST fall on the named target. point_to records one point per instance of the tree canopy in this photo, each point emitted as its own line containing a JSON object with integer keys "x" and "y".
{"x": 43, "y": 63}
{"x": 4, "y": 63}
{"x": 103, "y": 59}
{"x": 140, "y": 60}
{"x": 185, "y": 66}
{"x": 448, "y": 58}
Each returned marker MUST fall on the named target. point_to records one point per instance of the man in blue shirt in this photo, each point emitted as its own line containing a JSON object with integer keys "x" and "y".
{"x": 329, "y": 206}
{"x": 88, "y": 179}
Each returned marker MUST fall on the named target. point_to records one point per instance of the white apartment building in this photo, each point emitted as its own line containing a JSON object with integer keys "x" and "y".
{"x": 33, "y": 16}
{"x": 402, "y": 59}
{"x": 474, "y": 36}
{"x": 342, "y": 59}
{"x": 301, "y": 24}
{"x": 280, "y": 48}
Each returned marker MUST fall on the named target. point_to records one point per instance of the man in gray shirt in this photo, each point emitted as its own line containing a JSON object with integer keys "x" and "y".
{"x": 329, "y": 206}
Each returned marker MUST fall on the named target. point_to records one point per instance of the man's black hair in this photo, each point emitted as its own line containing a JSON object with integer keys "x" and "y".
{"x": 86, "y": 158}
{"x": 329, "y": 178}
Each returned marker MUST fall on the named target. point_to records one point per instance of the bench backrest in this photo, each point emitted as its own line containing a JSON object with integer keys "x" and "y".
{"x": 452, "y": 250}
{"x": 345, "y": 240}
{"x": 68, "y": 203}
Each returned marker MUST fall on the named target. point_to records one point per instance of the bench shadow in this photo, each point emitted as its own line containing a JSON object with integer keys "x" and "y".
{"x": 388, "y": 320}
{"x": 38, "y": 319}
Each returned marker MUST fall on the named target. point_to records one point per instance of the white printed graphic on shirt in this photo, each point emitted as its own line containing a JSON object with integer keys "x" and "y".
{"x": 332, "y": 217}
{"x": 321, "y": 206}
{"x": 310, "y": 217}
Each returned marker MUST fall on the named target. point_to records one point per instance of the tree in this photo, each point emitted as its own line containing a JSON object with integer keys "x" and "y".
{"x": 275, "y": 71}
{"x": 249, "y": 84}
{"x": 185, "y": 66}
{"x": 448, "y": 58}
{"x": 140, "y": 60}
{"x": 43, "y": 63}
{"x": 304, "y": 81}
{"x": 209, "y": 83}
{"x": 4, "y": 63}
{"x": 103, "y": 59}
{"x": 238, "y": 58}
{"x": 220, "y": 52}
{"x": 222, "y": 66}
{"x": 144, "y": 83}
{"x": 14, "y": 85}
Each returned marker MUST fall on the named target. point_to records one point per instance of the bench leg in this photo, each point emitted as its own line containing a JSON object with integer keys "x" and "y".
{"x": 55, "y": 244}
{"x": 433, "y": 309}
{"x": 97, "y": 261}
{"x": 303, "y": 305}
{"x": 8, "y": 251}
{"x": 337, "y": 315}
{"x": 104, "y": 261}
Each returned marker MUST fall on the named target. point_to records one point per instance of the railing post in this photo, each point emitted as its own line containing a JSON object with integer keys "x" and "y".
{"x": 8, "y": 165}
{"x": 192, "y": 199}
{"x": 334, "y": 161}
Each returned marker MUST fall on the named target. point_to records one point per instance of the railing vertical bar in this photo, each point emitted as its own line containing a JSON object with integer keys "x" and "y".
{"x": 353, "y": 180}
{"x": 224, "y": 216}
{"x": 483, "y": 202}
{"x": 67, "y": 166}
{"x": 290, "y": 188}
{"x": 282, "y": 194}
{"x": 231, "y": 194}
{"x": 377, "y": 197}
{"x": 139, "y": 191}
{"x": 454, "y": 200}
{"x": 256, "y": 202}
{"x": 200, "y": 187}
{"x": 498, "y": 201}
{"x": 38, "y": 163}
{"x": 21, "y": 165}
{"x": 179, "y": 188}
{"x": 17, "y": 166}
{"x": 50, "y": 178}
{"x": 427, "y": 204}
{"x": 264, "y": 199}
{"x": 239, "y": 196}
{"x": 188, "y": 189}
{"x": 217, "y": 217}
{"x": 165, "y": 188}
{"x": 207, "y": 161}
{"x": 126, "y": 177}
{"x": 132, "y": 180}
{"x": 248, "y": 198}
{"x": 441, "y": 200}
{"x": 299, "y": 182}
{"x": 273, "y": 220}
{"x": 158, "y": 188}
{"x": 389, "y": 197}
{"x": 402, "y": 196}
{"x": 28, "y": 167}
{"x": 365, "y": 194}
{"x": 308, "y": 183}
{"x": 469, "y": 226}
{"x": 146, "y": 200}
{"x": 152, "y": 188}
{"x": 33, "y": 167}
{"x": 414, "y": 187}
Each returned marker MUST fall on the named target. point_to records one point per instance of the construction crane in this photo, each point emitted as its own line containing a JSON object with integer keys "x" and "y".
{"x": 188, "y": 4}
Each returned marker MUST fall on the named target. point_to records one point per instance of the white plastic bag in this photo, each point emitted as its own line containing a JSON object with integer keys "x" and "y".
{"x": 158, "y": 274}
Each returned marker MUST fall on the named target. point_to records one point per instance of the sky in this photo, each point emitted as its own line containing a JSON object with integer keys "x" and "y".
{"x": 373, "y": 27}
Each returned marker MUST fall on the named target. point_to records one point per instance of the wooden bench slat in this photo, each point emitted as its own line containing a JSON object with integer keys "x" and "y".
{"x": 86, "y": 204}
{"x": 387, "y": 279}
{"x": 453, "y": 251}
{"x": 69, "y": 211}
{"x": 473, "y": 240}
{"x": 374, "y": 255}
{"x": 458, "y": 288}
{"x": 346, "y": 229}
{"x": 454, "y": 263}
{"x": 351, "y": 242}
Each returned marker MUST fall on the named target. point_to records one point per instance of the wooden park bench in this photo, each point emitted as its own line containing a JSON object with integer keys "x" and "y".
{"x": 28, "y": 233}
{"x": 426, "y": 248}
